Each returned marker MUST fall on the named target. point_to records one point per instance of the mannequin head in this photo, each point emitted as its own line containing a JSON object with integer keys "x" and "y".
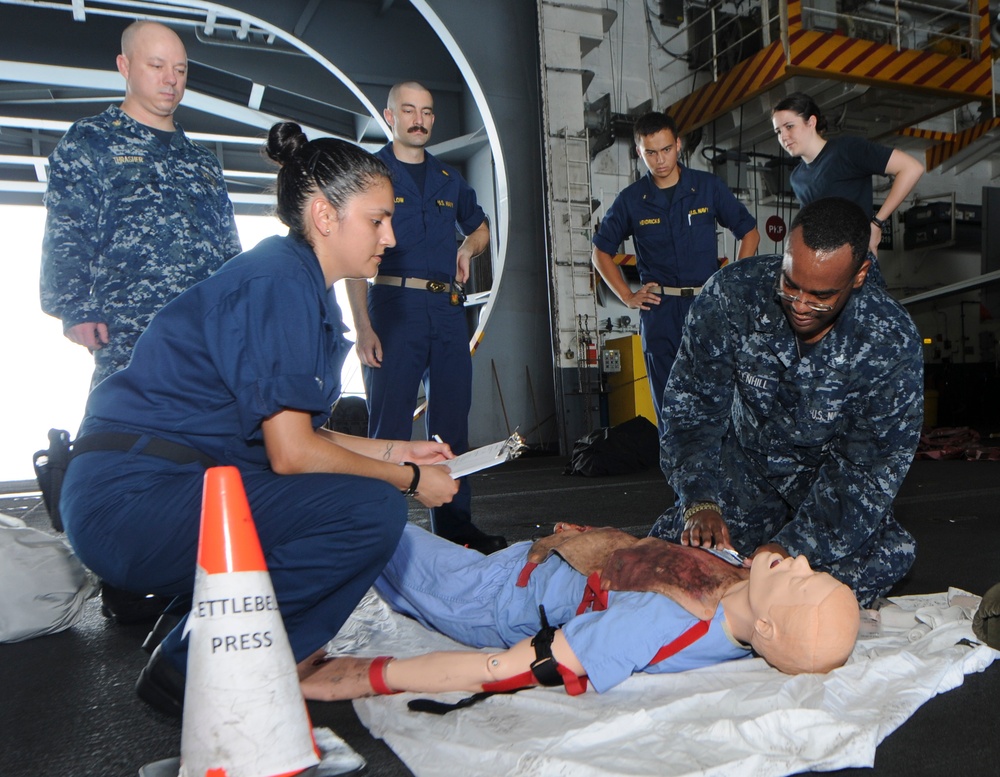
{"x": 804, "y": 621}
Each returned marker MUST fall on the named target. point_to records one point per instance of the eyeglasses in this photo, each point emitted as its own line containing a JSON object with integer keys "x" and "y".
{"x": 818, "y": 307}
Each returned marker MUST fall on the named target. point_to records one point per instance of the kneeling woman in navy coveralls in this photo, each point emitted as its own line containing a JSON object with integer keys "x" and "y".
{"x": 242, "y": 370}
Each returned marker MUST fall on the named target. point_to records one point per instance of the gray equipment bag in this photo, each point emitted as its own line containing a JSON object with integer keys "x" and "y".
{"x": 43, "y": 585}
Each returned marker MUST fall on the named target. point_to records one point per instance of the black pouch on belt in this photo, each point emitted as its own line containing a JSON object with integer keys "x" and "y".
{"x": 456, "y": 295}
{"x": 50, "y": 468}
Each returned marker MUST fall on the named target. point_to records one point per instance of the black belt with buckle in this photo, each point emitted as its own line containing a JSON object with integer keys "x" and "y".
{"x": 435, "y": 287}
{"x": 454, "y": 289}
{"x": 677, "y": 291}
{"x": 125, "y": 441}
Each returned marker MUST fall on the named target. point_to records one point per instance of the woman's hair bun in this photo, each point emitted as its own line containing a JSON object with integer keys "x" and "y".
{"x": 285, "y": 141}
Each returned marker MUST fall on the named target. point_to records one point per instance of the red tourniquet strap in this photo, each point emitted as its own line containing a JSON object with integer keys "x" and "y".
{"x": 522, "y": 579}
{"x": 696, "y": 632}
{"x": 593, "y": 596}
{"x": 577, "y": 685}
{"x": 523, "y": 680}
{"x": 375, "y": 677}
{"x": 596, "y": 598}
{"x": 574, "y": 685}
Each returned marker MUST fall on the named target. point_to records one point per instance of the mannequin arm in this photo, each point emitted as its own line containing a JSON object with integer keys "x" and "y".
{"x": 347, "y": 677}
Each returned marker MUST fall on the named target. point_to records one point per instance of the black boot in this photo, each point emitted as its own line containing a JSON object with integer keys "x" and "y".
{"x": 161, "y": 685}
{"x": 163, "y": 626}
{"x": 453, "y": 521}
{"x": 125, "y": 607}
{"x": 172, "y": 615}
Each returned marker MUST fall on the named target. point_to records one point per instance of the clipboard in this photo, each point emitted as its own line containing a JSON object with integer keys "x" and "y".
{"x": 486, "y": 456}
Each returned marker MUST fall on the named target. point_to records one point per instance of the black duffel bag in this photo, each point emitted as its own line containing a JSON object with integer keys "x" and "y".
{"x": 628, "y": 447}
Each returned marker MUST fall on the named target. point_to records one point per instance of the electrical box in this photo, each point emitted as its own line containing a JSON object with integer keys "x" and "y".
{"x": 671, "y": 13}
{"x": 611, "y": 360}
{"x": 821, "y": 15}
{"x": 930, "y": 224}
{"x": 628, "y": 390}
{"x": 940, "y": 213}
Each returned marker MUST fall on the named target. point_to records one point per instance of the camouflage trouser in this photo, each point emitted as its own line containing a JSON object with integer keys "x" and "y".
{"x": 113, "y": 356}
{"x": 755, "y": 513}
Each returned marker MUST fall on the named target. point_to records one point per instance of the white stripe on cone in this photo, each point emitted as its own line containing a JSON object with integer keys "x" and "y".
{"x": 243, "y": 708}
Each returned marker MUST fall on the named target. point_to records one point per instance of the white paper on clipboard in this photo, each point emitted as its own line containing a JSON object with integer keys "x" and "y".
{"x": 486, "y": 457}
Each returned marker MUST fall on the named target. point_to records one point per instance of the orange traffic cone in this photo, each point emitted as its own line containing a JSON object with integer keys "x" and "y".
{"x": 244, "y": 715}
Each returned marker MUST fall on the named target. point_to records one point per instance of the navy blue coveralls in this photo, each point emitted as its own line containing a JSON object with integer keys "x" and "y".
{"x": 675, "y": 245}
{"x": 424, "y": 337}
{"x": 261, "y": 335}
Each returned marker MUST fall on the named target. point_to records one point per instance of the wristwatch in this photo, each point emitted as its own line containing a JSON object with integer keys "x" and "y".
{"x": 412, "y": 490}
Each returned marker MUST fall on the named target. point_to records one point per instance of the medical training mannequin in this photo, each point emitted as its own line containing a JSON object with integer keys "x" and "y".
{"x": 798, "y": 620}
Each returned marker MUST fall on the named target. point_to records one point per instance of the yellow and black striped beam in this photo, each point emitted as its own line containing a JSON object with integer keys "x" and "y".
{"x": 953, "y": 142}
{"x": 818, "y": 54}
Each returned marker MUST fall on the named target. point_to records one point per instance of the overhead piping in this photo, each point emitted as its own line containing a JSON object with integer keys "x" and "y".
{"x": 245, "y": 39}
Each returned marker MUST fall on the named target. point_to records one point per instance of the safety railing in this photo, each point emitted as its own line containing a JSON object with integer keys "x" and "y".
{"x": 719, "y": 35}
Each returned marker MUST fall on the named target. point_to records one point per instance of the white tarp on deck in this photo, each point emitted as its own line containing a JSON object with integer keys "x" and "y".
{"x": 737, "y": 718}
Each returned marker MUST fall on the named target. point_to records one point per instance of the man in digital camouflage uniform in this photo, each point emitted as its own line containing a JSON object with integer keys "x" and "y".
{"x": 137, "y": 213}
{"x": 795, "y": 406}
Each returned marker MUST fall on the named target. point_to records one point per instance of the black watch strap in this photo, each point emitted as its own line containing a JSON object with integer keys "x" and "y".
{"x": 412, "y": 490}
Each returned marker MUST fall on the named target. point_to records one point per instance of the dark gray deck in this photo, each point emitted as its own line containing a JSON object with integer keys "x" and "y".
{"x": 67, "y": 706}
